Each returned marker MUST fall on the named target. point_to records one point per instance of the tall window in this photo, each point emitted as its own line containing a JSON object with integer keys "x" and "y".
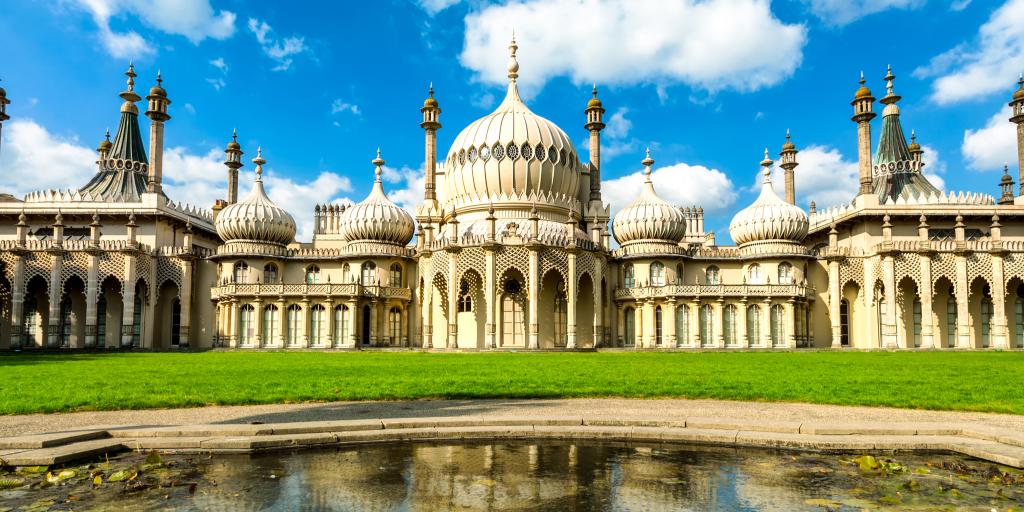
{"x": 65, "y": 321}
{"x": 395, "y": 325}
{"x": 711, "y": 275}
{"x": 1018, "y": 333}
{"x": 844, "y": 323}
{"x": 465, "y": 298}
{"x": 754, "y": 275}
{"x": 269, "y": 273}
{"x": 657, "y": 326}
{"x": 369, "y": 273}
{"x": 294, "y": 324}
{"x": 785, "y": 273}
{"x": 317, "y": 325}
{"x": 657, "y": 274}
{"x": 917, "y": 323}
{"x": 241, "y": 272}
{"x": 513, "y": 331}
{"x": 951, "y": 322}
{"x": 729, "y": 315}
{"x": 628, "y": 278}
{"x": 679, "y": 273}
{"x": 101, "y": 322}
{"x": 778, "y": 320}
{"x": 986, "y": 322}
{"x": 176, "y": 323}
{"x": 682, "y": 325}
{"x": 341, "y": 327}
{"x": 246, "y": 325}
{"x": 312, "y": 274}
{"x": 754, "y": 325}
{"x": 31, "y": 319}
{"x": 561, "y": 322}
{"x": 346, "y": 270}
{"x": 707, "y": 326}
{"x": 137, "y": 320}
{"x": 396, "y": 275}
{"x": 629, "y": 327}
{"x": 271, "y": 327}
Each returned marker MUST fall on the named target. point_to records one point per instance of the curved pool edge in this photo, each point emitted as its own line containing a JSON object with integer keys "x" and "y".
{"x": 1002, "y": 446}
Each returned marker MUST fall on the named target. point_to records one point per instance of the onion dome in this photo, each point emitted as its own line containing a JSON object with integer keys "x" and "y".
{"x": 256, "y": 218}
{"x": 512, "y": 155}
{"x": 649, "y": 218}
{"x": 430, "y": 102}
{"x": 234, "y": 145}
{"x": 594, "y": 101}
{"x": 105, "y": 144}
{"x": 914, "y": 147}
{"x": 769, "y": 218}
{"x": 158, "y": 90}
{"x": 1017, "y": 95}
{"x": 863, "y": 92}
{"x": 376, "y": 218}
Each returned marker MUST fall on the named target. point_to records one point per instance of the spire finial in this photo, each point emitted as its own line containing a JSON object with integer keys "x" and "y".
{"x": 513, "y": 64}
{"x": 259, "y": 161}
{"x": 431, "y": 89}
{"x": 647, "y": 163}
{"x": 913, "y": 135}
{"x": 595, "y": 89}
{"x": 378, "y": 164}
{"x": 766, "y": 165}
{"x": 131, "y": 76}
{"x": 107, "y": 135}
{"x": 1020, "y": 81}
{"x": 234, "y": 134}
{"x": 159, "y": 78}
{"x": 862, "y": 82}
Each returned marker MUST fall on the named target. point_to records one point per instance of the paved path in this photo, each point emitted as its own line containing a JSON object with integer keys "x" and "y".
{"x": 618, "y": 408}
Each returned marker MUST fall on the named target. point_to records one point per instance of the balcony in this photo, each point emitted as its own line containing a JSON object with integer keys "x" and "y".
{"x": 715, "y": 291}
{"x": 303, "y": 290}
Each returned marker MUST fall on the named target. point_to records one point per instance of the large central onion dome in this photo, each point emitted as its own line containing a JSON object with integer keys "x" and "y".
{"x": 512, "y": 155}
{"x": 377, "y": 219}
{"x": 256, "y": 218}
{"x": 769, "y": 219}
{"x": 649, "y": 218}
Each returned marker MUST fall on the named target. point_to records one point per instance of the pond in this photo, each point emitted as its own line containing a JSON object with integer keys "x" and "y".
{"x": 519, "y": 476}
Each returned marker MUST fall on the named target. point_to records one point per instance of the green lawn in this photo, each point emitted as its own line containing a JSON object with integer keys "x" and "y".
{"x": 970, "y": 381}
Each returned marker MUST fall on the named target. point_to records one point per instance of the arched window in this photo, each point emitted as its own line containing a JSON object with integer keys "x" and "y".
{"x": 986, "y": 322}
{"x": 561, "y": 320}
{"x": 271, "y": 325}
{"x": 628, "y": 278}
{"x": 513, "y": 330}
{"x": 729, "y": 315}
{"x": 682, "y": 325}
{"x": 754, "y": 275}
{"x": 101, "y": 322}
{"x": 754, "y": 325}
{"x": 137, "y": 320}
{"x": 294, "y": 324}
{"x": 317, "y": 325}
{"x": 951, "y": 322}
{"x": 346, "y": 271}
{"x": 917, "y": 322}
{"x": 241, "y": 272}
{"x": 679, "y": 273}
{"x": 270, "y": 273}
{"x": 369, "y": 273}
{"x": 785, "y": 273}
{"x": 844, "y": 323}
{"x": 341, "y": 327}
{"x": 657, "y": 274}
{"x": 312, "y": 274}
{"x": 396, "y": 275}
{"x": 711, "y": 275}
{"x": 629, "y": 327}
{"x": 247, "y": 325}
{"x": 395, "y": 325}
{"x": 31, "y": 318}
{"x": 65, "y": 322}
{"x": 465, "y": 299}
{"x": 657, "y": 325}
{"x": 707, "y": 326}
{"x": 778, "y": 320}
{"x": 176, "y": 323}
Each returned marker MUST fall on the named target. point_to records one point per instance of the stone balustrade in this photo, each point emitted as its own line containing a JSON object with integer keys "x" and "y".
{"x": 301, "y": 290}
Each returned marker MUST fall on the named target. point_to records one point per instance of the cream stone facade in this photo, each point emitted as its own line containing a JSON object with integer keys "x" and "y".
{"x": 511, "y": 248}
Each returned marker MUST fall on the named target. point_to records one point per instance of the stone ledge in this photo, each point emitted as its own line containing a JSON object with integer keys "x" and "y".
{"x": 50, "y": 440}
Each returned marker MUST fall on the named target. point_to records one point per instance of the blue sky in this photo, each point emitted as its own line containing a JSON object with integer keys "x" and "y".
{"x": 707, "y": 84}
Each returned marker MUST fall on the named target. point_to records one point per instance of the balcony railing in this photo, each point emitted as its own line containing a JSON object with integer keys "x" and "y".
{"x": 715, "y": 290}
{"x": 293, "y": 290}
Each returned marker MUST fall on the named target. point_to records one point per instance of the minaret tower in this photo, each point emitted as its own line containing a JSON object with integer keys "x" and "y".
{"x": 916, "y": 152}
{"x": 3, "y": 110}
{"x": 862, "y": 115}
{"x": 431, "y": 123}
{"x": 157, "y": 115}
{"x": 104, "y": 148}
{"x": 787, "y": 160}
{"x": 233, "y": 163}
{"x": 595, "y": 123}
{"x": 1017, "y": 104}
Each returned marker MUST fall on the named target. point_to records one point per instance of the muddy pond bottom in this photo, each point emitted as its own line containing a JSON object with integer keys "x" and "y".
{"x": 519, "y": 476}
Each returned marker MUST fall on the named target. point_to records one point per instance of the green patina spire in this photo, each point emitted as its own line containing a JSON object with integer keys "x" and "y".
{"x": 896, "y": 172}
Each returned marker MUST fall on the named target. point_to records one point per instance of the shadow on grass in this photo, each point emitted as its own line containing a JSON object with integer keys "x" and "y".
{"x": 390, "y": 409}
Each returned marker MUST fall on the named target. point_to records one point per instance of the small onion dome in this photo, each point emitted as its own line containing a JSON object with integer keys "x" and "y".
{"x": 234, "y": 145}
{"x": 430, "y": 102}
{"x": 788, "y": 145}
{"x": 649, "y": 218}
{"x": 914, "y": 147}
{"x": 594, "y": 101}
{"x": 377, "y": 219}
{"x": 769, "y": 218}
{"x": 256, "y": 218}
{"x": 1017, "y": 95}
{"x": 158, "y": 90}
{"x": 105, "y": 144}
{"x": 863, "y": 92}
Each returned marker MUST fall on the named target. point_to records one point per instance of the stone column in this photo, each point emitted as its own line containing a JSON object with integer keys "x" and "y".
{"x": 620, "y": 324}
{"x": 257, "y": 332}
{"x": 18, "y": 303}
{"x": 890, "y": 338}
{"x": 128, "y": 300}
{"x": 490, "y": 297}
{"x": 233, "y": 324}
{"x": 304, "y": 331}
{"x": 790, "y": 325}
{"x": 570, "y": 314}
{"x": 963, "y": 331}
{"x": 428, "y": 312}
{"x": 598, "y": 305}
{"x": 53, "y": 333}
{"x": 281, "y": 319}
{"x": 999, "y": 337}
{"x": 766, "y": 324}
{"x": 870, "y": 329}
{"x": 373, "y": 322}
{"x": 218, "y": 324}
{"x": 668, "y": 323}
{"x": 695, "y": 324}
{"x": 534, "y": 335}
{"x": 185, "y": 297}
{"x": 353, "y": 333}
{"x": 927, "y": 316}
{"x": 330, "y": 323}
{"x": 741, "y": 324}
{"x": 453, "y": 301}
{"x": 648, "y": 325}
{"x": 835, "y": 299}
{"x": 717, "y": 324}
{"x": 148, "y": 318}
{"x": 92, "y": 299}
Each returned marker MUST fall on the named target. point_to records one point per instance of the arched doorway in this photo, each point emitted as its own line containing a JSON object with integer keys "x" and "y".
{"x": 585, "y": 312}
{"x": 513, "y": 316}
{"x": 629, "y": 327}
{"x": 109, "y": 311}
{"x": 981, "y": 313}
{"x": 944, "y": 311}
{"x": 366, "y": 326}
{"x": 166, "y": 332}
{"x": 72, "y": 314}
{"x": 553, "y": 334}
{"x": 35, "y": 313}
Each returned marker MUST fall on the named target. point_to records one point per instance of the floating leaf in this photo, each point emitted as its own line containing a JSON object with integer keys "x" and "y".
{"x": 34, "y": 470}
{"x": 120, "y": 476}
{"x": 10, "y": 483}
{"x": 153, "y": 458}
{"x": 97, "y": 480}
{"x": 866, "y": 463}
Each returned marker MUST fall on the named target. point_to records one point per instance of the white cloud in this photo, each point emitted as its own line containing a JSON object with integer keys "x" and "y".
{"x": 196, "y": 20}
{"x": 190, "y": 108}
{"x": 220, "y": 64}
{"x": 435, "y": 6}
{"x": 709, "y": 45}
{"x": 824, "y": 177}
{"x": 29, "y": 147}
{"x": 708, "y": 188}
{"x": 990, "y": 147}
{"x": 618, "y": 126}
{"x": 412, "y": 182}
{"x": 934, "y": 165}
{"x": 280, "y": 51}
{"x": 982, "y": 67}
{"x": 217, "y": 83}
{"x": 340, "y": 106}
{"x": 843, "y": 12}
{"x": 616, "y": 138}
{"x": 959, "y": 5}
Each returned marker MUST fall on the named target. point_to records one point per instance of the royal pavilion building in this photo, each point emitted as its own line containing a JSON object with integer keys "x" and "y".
{"x": 512, "y": 247}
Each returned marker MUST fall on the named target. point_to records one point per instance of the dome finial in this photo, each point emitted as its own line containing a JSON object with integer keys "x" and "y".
{"x": 107, "y": 135}
{"x": 234, "y": 134}
{"x": 159, "y": 78}
{"x": 647, "y": 163}
{"x": 862, "y": 82}
{"x": 259, "y": 161}
{"x": 378, "y": 163}
{"x": 766, "y": 164}
{"x": 431, "y": 89}
{"x": 595, "y": 89}
{"x": 513, "y": 64}
{"x": 1020, "y": 82}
